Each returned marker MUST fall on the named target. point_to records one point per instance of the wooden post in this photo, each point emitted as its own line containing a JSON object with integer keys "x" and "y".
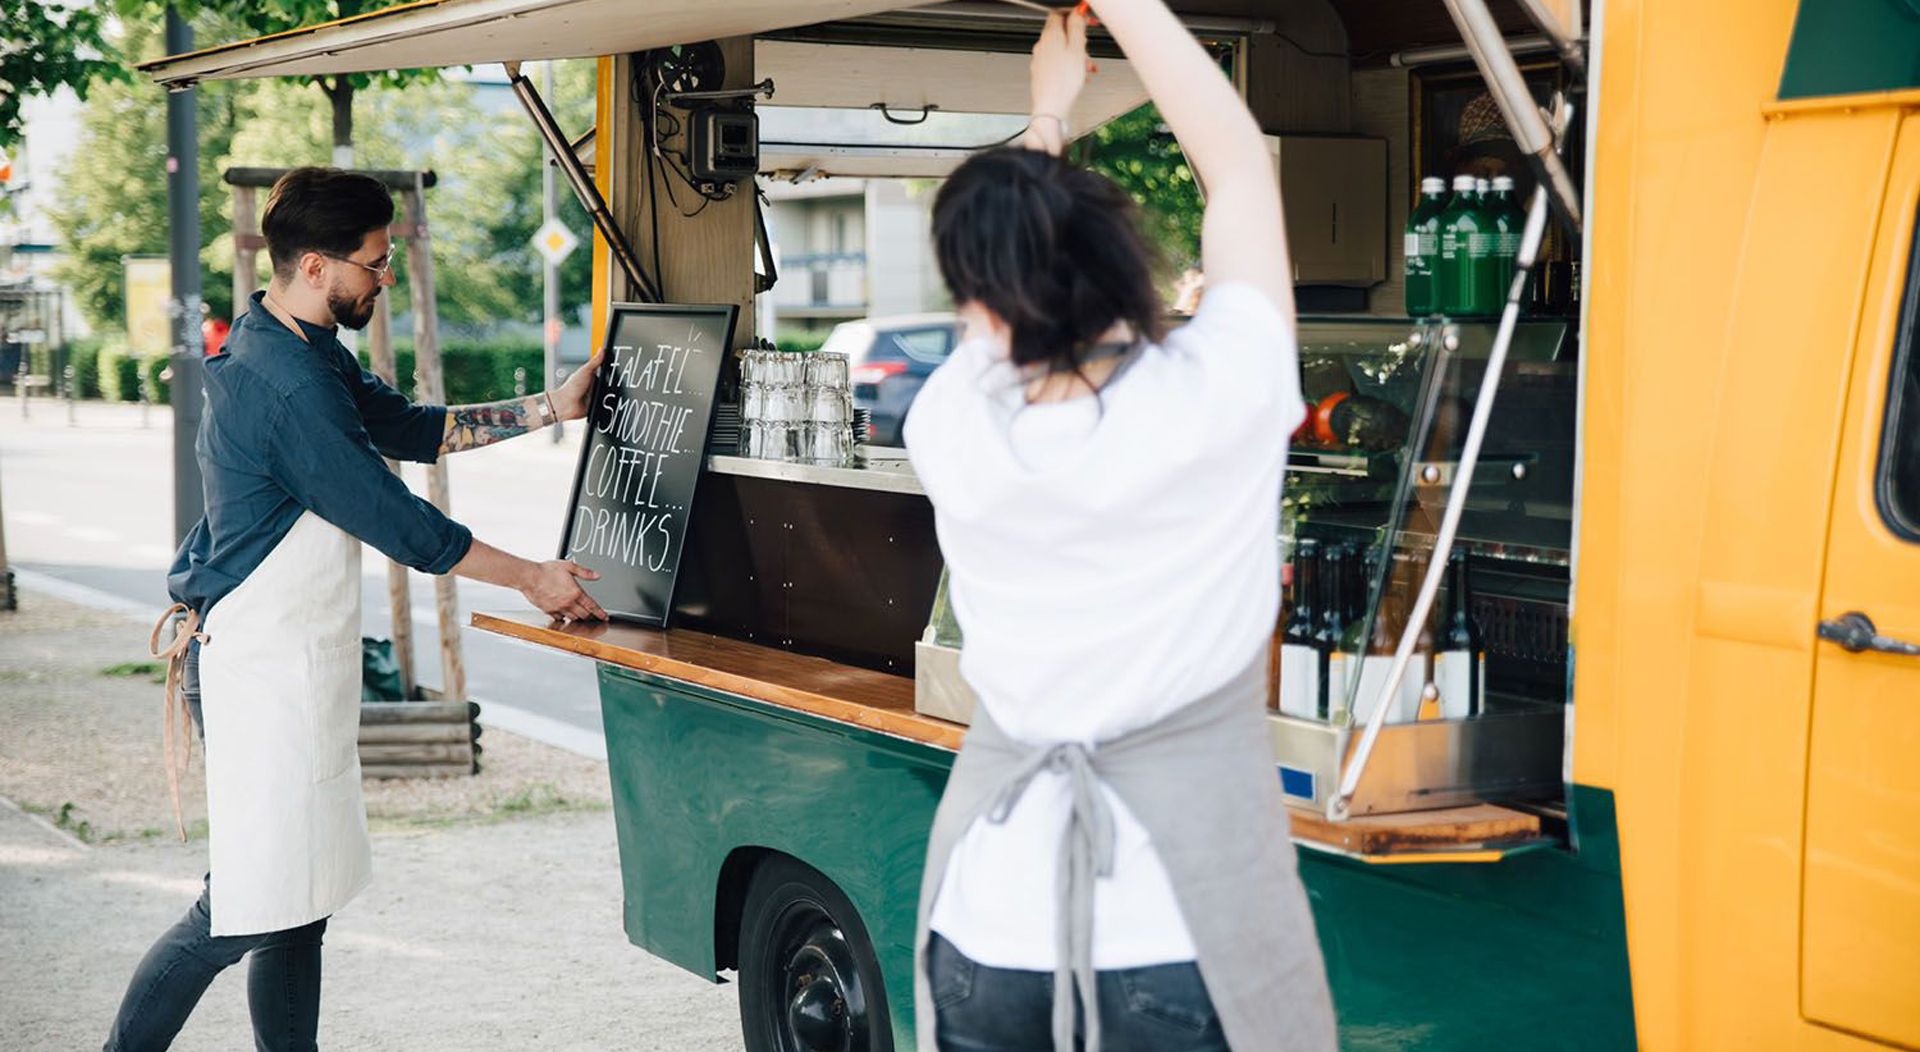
{"x": 399, "y": 601}
{"x": 246, "y": 247}
{"x": 432, "y": 389}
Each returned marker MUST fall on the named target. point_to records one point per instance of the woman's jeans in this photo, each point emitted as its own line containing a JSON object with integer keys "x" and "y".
{"x": 283, "y": 978}
{"x": 1162, "y": 1008}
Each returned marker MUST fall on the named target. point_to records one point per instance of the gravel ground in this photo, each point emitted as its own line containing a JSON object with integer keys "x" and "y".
{"x": 493, "y": 921}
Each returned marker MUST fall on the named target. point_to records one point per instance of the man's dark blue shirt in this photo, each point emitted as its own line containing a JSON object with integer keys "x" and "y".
{"x": 291, "y": 427}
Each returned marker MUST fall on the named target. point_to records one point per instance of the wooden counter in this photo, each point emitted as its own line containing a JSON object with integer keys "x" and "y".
{"x": 874, "y": 700}
{"x": 884, "y": 703}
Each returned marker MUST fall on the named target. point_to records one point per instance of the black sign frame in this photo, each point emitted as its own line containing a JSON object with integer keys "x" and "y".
{"x": 726, "y": 314}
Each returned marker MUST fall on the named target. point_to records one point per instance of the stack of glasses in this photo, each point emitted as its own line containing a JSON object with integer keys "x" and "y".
{"x": 796, "y": 407}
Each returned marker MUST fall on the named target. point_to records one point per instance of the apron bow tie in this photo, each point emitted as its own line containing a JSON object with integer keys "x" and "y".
{"x": 187, "y": 629}
{"x": 1086, "y": 853}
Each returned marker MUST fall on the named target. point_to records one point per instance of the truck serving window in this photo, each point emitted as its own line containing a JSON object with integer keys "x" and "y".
{"x": 1899, "y": 485}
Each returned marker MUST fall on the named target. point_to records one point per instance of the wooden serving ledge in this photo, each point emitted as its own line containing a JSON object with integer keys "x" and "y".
{"x": 884, "y": 703}
{"x": 874, "y": 700}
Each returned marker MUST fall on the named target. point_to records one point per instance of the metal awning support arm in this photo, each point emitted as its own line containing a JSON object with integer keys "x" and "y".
{"x": 1338, "y": 807}
{"x": 1509, "y": 89}
{"x": 1566, "y": 38}
{"x": 583, "y": 188}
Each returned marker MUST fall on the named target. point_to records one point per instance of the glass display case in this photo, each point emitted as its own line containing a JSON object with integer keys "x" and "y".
{"x": 1478, "y": 713}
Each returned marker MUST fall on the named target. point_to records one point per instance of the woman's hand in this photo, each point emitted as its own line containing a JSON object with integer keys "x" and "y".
{"x": 570, "y": 398}
{"x": 1057, "y": 73}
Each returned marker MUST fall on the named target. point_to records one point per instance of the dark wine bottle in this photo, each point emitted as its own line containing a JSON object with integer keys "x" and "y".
{"x": 1460, "y": 666}
{"x": 1300, "y": 686}
{"x": 1326, "y": 640}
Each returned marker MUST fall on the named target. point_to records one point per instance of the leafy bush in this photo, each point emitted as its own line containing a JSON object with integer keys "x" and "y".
{"x": 801, "y": 340}
{"x": 158, "y": 391}
{"x": 119, "y": 374}
{"x": 84, "y": 356}
{"x": 474, "y": 372}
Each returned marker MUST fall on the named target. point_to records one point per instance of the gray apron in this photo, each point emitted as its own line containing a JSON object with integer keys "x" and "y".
{"x": 1202, "y": 783}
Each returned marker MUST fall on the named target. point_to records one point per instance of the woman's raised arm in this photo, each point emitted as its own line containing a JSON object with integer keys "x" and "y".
{"x": 1242, "y": 235}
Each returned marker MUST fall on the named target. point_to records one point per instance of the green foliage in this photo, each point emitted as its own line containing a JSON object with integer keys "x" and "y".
{"x": 152, "y": 386}
{"x": 1139, "y": 152}
{"x": 152, "y": 670}
{"x": 484, "y": 209}
{"x": 474, "y": 372}
{"x": 113, "y": 199}
{"x": 84, "y": 356}
{"x": 252, "y": 18}
{"x": 45, "y": 46}
{"x": 496, "y": 193}
{"x": 119, "y": 374}
{"x": 801, "y": 339}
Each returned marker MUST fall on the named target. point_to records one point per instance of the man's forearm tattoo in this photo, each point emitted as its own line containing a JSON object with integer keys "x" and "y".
{"x": 473, "y": 426}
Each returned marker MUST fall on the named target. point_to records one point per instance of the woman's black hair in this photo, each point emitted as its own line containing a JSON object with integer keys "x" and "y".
{"x": 1052, "y": 248}
{"x": 322, "y": 210}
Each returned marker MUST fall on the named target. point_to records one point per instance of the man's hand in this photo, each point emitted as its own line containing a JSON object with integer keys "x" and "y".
{"x": 552, "y": 588}
{"x": 570, "y": 398}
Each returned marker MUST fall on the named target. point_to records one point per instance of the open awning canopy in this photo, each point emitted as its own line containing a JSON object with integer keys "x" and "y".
{"x": 432, "y": 33}
{"x": 847, "y": 101}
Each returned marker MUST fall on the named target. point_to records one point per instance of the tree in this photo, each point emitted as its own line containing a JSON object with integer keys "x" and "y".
{"x": 44, "y": 47}
{"x": 257, "y": 19}
{"x": 1139, "y": 152}
{"x": 484, "y": 209}
{"x": 502, "y": 194}
{"x": 486, "y": 205}
{"x": 113, "y": 199}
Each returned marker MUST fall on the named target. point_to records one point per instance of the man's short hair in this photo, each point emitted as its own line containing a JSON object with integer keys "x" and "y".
{"x": 323, "y": 210}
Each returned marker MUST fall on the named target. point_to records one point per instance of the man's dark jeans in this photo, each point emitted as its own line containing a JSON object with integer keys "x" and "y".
{"x": 283, "y": 978}
{"x": 1162, "y": 1008}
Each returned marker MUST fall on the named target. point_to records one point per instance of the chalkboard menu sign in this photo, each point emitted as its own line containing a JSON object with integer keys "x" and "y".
{"x": 647, "y": 426}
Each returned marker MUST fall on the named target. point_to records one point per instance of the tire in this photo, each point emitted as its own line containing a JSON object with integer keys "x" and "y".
{"x": 809, "y": 980}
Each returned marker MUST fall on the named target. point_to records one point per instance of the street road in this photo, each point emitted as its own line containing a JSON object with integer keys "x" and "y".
{"x": 89, "y": 504}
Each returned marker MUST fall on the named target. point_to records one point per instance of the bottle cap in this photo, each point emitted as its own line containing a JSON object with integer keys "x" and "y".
{"x": 1481, "y": 186}
{"x": 1433, "y": 184}
{"x": 1463, "y": 183}
{"x": 1503, "y": 182}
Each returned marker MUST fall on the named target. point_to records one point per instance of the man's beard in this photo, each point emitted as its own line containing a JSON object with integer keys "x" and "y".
{"x": 351, "y": 311}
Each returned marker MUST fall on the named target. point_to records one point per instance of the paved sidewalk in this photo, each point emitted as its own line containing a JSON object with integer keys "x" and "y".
{"x": 503, "y": 936}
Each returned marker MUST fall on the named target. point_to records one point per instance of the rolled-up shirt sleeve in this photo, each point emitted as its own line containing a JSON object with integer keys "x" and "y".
{"x": 397, "y": 427}
{"x": 322, "y": 454}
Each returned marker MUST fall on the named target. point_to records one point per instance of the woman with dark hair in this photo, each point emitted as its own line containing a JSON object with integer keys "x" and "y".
{"x": 1110, "y": 864}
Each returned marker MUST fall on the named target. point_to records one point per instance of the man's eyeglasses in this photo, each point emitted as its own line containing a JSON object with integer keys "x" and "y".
{"x": 378, "y": 270}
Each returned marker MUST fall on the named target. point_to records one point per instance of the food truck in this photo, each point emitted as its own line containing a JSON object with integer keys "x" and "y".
{"x": 1671, "y": 497}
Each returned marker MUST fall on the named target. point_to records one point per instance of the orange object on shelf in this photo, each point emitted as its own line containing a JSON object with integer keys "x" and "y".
{"x": 1322, "y": 418}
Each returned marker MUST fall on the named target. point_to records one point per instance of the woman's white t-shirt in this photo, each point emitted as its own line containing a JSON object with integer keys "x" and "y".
{"x": 1110, "y": 560}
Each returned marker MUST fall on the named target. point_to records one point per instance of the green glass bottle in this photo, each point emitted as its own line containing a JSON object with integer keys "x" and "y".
{"x": 1423, "y": 248}
{"x": 1508, "y": 220}
{"x": 1465, "y": 276}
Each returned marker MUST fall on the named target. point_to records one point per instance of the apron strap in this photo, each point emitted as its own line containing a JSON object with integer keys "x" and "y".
{"x": 187, "y": 629}
{"x": 1086, "y": 853}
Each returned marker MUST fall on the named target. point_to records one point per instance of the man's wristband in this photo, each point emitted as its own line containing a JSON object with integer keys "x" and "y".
{"x": 545, "y": 407}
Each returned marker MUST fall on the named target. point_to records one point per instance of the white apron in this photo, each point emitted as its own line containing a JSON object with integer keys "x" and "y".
{"x": 280, "y": 697}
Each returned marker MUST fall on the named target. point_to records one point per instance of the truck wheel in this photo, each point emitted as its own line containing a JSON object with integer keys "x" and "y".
{"x": 809, "y": 980}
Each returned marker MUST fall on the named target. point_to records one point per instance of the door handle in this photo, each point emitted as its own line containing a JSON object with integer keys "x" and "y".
{"x": 1854, "y": 632}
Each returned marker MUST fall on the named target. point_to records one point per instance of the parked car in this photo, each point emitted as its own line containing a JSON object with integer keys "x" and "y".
{"x": 888, "y": 361}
